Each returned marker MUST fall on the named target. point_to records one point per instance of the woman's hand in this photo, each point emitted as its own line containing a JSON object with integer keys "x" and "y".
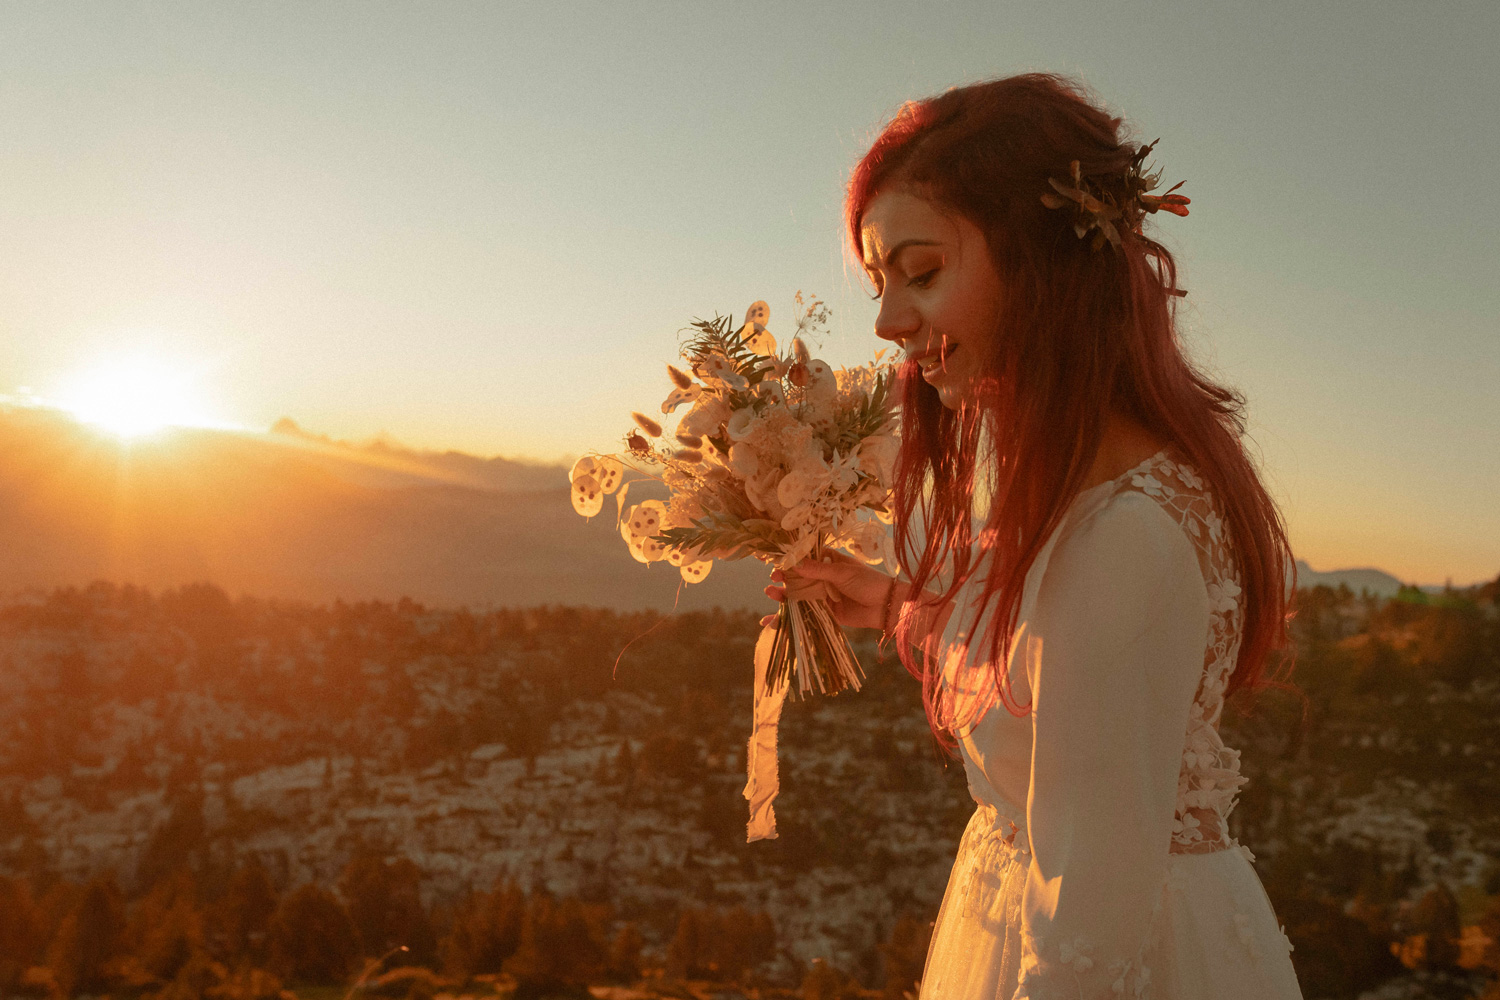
{"x": 856, "y": 593}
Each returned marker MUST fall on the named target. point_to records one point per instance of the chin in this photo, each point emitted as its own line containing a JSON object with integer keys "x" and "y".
{"x": 954, "y": 392}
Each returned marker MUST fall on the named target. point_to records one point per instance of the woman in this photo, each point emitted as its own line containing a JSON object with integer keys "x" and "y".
{"x": 1076, "y": 642}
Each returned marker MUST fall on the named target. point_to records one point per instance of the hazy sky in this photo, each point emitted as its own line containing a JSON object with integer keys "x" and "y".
{"x": 480, "y": 226}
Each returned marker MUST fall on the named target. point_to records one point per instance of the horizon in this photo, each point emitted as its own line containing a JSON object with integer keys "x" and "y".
{"x": 393, "y": 455}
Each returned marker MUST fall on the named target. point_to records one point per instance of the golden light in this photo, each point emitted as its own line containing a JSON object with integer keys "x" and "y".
{"x": 132, "y": 397}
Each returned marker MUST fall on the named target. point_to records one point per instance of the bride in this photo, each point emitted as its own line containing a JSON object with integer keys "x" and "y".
{"x": 1077, "y": 639}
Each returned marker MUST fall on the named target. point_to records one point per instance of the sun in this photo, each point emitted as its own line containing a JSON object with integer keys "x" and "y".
{"x": 133, "y": 397}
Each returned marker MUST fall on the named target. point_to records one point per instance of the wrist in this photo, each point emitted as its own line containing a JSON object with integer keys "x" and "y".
{"x": 889, "y": 614}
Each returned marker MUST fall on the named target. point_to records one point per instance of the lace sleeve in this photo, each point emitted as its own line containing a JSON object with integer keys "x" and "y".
{"x": 1114, "y": 662}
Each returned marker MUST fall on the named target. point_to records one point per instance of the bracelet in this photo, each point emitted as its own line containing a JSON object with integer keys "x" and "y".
{"x": 885, "y": 611}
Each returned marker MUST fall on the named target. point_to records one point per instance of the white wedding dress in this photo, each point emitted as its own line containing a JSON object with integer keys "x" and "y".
{"x": 1098, "y": 863}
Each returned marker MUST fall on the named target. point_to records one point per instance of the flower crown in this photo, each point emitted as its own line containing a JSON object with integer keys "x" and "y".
{"x": 1096, "y": 208}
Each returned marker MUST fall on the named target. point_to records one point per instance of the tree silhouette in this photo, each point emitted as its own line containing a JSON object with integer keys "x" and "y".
{"x": 165, "y": 928}
{"x": 904, "y": 954}
{"x": 625, "y": 954}
{"x": 559, "y": 948}
{"x": 241, "y": 918}
{"x": 312, "y": 940}
{"x": 88, "y": 938}
{"x": 486, "y": 930}
{"x": 385, "y": 902}
{"x": 178, "y": 841}
{"x": 21, "y": 931}
{"x": 825, "y": 982}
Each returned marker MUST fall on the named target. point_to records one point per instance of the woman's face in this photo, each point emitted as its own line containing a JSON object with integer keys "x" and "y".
{"x": 939, "y": 294}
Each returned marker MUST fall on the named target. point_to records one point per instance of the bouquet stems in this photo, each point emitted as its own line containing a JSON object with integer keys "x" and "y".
{"x": 810, "y": 651}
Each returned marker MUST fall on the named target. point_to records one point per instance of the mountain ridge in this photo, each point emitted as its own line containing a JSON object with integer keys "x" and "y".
{"x": 294, "y": 514}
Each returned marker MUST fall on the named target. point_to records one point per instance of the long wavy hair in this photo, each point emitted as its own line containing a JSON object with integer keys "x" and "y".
{"x": 1080, "y": 332}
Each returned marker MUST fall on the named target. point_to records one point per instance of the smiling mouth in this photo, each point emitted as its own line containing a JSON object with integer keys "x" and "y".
{"x": 936, "y": 362}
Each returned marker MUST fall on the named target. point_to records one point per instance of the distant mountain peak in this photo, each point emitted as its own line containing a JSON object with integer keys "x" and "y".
{"x": 1376, "y": 581}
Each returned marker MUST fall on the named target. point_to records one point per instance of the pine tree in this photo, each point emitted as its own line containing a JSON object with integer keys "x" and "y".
{"x": 20, "y": 931}
{"x": 559, "y": 948}
{"x": 824, "y": 982}
{"x": 625, "y": 954}
{"x": 166, "y": 930}
{"x": 87, "y": 939}
{"x": 685, "y": 953}
{"x": 178, "y": 841}
{"x": 312, "y": 940}
{"x": 385, "y": 902}
{"x": 241, "y": 919}
{"x": 486, "y": 930}
{"x": 904, "y": 954}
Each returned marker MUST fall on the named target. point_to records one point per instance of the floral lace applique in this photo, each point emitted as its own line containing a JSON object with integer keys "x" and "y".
{"x": 1068, "y": 972}
{"x": 1210, "y": 778}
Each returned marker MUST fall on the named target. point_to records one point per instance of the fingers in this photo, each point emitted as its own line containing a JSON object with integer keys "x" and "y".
{"x": 776, "y": 593}
{"x": 808, "y": 590}
{"x": 768, "y": 621}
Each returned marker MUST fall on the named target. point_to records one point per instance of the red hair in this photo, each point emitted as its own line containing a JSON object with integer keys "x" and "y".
{"x": 1082, "y": 332}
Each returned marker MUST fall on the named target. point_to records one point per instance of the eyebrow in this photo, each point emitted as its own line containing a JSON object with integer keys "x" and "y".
{"x": 895, "y": 251}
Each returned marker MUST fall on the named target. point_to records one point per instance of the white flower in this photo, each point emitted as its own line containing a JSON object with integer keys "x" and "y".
{"x": 761, "y": 491}
{"x": 809, "y": 477}
{"x": 707, "y": 415}
{"x": 1189, "y": 477}
{"x": 741, "y": 423}
{"x": 743, "y": 460}
{"x": 877, "y": 456}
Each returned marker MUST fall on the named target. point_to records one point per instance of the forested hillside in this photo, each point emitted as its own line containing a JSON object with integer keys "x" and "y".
{"x": 201, "y": 796}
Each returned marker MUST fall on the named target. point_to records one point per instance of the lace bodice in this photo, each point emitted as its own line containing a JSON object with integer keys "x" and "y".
{"x": 1128, "y": 632}
{"x": 1210, "y": 777}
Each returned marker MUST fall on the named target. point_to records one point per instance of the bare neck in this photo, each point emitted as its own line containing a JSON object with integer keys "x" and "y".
{"x": 1125, "y": 444}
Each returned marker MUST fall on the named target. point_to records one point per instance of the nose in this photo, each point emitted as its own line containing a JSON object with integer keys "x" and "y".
{"x": 896, "y": 321}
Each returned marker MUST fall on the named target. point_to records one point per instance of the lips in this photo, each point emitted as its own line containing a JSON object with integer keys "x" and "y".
{"x": 932, "y": 361}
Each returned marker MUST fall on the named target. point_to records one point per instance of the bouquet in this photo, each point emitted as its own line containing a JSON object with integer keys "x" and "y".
{"x": 778, "y": 457}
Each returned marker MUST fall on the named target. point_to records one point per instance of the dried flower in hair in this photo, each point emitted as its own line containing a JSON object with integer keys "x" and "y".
{"x": 1096, "y": 208}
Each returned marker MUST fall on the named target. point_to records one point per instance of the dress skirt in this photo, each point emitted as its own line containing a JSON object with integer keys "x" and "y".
{"x": 1213, "y": 936}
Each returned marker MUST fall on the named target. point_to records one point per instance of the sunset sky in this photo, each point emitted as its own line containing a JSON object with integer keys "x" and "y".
{"x": 480, "y": 226}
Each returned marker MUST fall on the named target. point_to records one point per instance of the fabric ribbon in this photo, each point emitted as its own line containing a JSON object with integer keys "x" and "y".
{"x": 760, "y": 758}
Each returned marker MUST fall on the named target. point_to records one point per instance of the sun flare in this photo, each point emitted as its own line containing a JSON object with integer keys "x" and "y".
{"x": 132, "y": 397}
